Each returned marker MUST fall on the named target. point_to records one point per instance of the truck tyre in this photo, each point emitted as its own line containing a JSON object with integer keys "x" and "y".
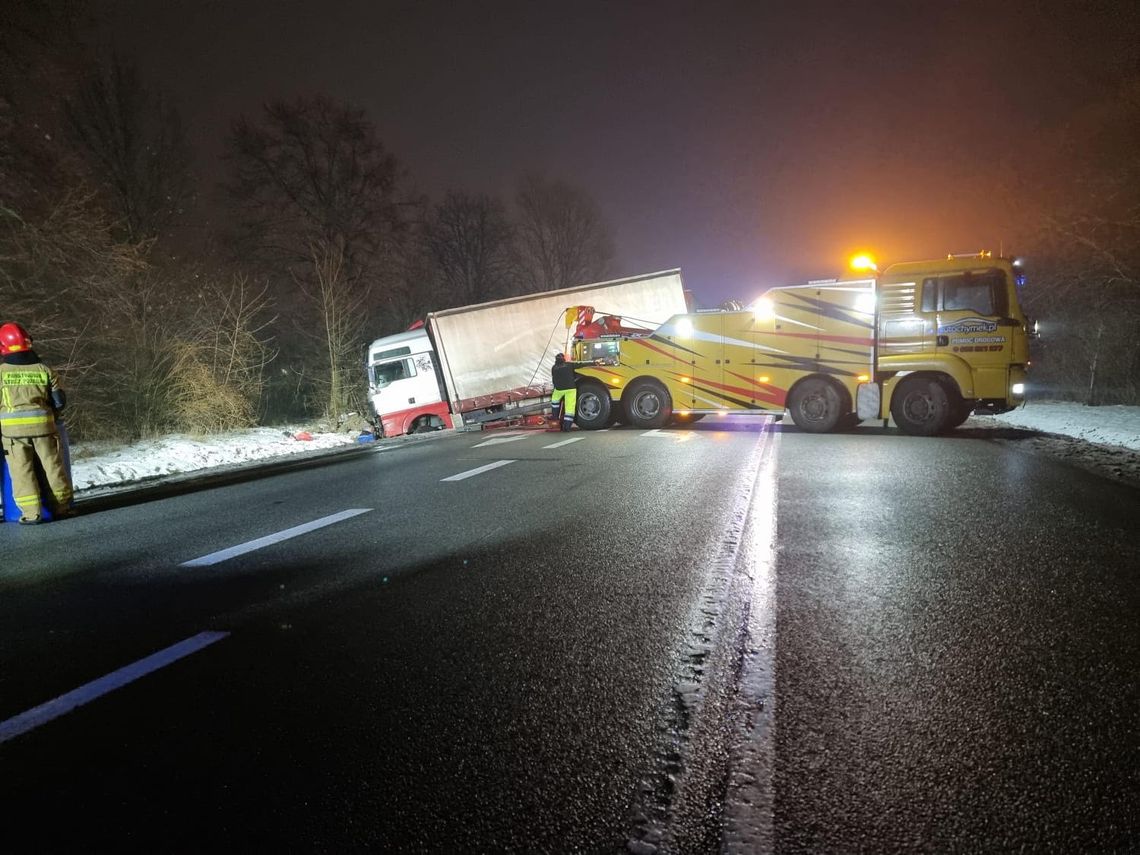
{"x": 961, "y": 411}
{"x": 647, "y": 404}
{"x": 816, "y": 405}
{"x": 921, "y": 406}
{"x": 423, "y": 424}
{"x": 594, "y": 406}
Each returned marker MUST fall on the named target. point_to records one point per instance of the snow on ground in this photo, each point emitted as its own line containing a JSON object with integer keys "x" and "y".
{"x": 1105, "y": 439}
{"x": 1114, "y": 425}
{"x": 104, "y": 465}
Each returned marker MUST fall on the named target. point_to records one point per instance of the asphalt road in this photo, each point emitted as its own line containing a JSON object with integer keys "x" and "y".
{"x": 729, "y": 636}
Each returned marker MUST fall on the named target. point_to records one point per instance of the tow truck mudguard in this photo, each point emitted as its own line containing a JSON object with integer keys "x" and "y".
{"x": 868, "y": 401}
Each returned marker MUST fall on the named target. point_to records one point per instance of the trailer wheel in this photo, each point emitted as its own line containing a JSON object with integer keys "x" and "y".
{"x": 594, "y": 406}
{"x": 816, "y": 405}
{"x": 921, "y": 406}
{"x": 647, "y": 404}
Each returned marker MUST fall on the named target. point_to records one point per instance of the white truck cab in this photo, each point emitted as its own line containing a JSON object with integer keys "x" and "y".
{"x": 403, "y": 385}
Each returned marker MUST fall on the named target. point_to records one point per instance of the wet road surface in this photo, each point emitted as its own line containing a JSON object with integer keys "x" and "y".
{"x": 623, "y": 641}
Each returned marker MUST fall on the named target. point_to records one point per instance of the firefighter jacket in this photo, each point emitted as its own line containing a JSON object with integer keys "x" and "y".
{"x": 30, "y": 394}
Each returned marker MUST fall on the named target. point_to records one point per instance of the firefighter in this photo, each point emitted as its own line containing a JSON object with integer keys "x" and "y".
{"x": 30, "y": 397}
{"x": 564, "y": 398}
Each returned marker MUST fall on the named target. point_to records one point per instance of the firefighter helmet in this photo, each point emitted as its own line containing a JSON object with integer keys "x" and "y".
{"x": 14, "y": 339}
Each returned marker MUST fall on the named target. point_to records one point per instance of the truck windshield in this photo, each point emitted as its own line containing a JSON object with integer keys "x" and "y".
{"x": 607, "y": 349}
{"x": 389, "y": 372}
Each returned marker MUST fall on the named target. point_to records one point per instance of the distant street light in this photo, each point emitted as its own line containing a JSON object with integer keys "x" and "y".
{"x": 864, "y": 262}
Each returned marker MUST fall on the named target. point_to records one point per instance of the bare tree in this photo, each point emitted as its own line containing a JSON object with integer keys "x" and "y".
{"x": 314, "y": 170}
{"x": 338, "y": 304}
{"x": 78, "y": 212}
{"x": 1079, "y": 206}
{"x": 134, "y": 147}
{"x": 220, "y": 356}
{"x": 39, "y": 55}
{"x": 63, "y": 275}
{"x": 471, "y": 243}
{"x": 564, "y": 239}
{"x": 317, "y": 209}
{"x": 413, "y": 287}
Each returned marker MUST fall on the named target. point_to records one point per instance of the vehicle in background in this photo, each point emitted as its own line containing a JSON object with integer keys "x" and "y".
{"x": 491, "y": 361}
{"x": 927, "y": 343}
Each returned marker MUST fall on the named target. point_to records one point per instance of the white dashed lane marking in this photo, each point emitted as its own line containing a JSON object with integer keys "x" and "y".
{"x": 478, "y": 470}
{"x": 270, "y": 539}
{"x": 564, "y": 442}
{"x": 499, "y": 440}
{"x": 88, "y": 692}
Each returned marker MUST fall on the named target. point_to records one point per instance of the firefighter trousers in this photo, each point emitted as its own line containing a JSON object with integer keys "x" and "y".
{"x": 22, "y": 452}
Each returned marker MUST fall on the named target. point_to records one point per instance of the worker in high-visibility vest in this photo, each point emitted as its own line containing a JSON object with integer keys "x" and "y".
{"x": 30, "y": 397}
{"x": 564, "y": 398}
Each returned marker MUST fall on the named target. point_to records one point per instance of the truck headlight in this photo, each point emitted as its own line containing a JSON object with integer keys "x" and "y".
{"x": 1018, "y": 389}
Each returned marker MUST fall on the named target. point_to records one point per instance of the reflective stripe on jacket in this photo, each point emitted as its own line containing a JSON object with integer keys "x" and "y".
{"x": 25, "y": 400}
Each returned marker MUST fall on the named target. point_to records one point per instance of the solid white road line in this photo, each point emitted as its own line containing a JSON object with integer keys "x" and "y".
{"x": 564, "y": 442}
{"x": 752, "y": 752}
{"x": 499, "y": 440}
{"x": 270, "y": 539}
{"x": 477, "y": 470}
{"x": 88, "y": 692}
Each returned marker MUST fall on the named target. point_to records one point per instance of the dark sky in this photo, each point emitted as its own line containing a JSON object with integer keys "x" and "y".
{"x": 750, "y": 144}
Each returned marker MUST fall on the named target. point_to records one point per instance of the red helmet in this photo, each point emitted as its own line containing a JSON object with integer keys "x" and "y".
{"x": 14, "y": 339}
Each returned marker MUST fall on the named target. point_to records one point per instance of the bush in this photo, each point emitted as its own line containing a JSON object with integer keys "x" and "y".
{"x": 201, "y": 401}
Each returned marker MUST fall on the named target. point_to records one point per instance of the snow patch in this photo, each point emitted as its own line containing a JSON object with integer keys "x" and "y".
{"x": 1111, "y": 425}
{"x": 104, "y": 464}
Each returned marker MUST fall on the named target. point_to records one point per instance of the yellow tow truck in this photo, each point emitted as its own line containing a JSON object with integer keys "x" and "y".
{"x": 927, "y": 343}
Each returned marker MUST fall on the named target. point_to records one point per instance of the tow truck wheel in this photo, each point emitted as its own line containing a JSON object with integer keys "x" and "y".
{"x": 921, "y": 406}
{"x": 962, "y": 411}
{"x": 594, "y": 406}
{"x": 815, "y": 405}
{"x": 647, "y": 404}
